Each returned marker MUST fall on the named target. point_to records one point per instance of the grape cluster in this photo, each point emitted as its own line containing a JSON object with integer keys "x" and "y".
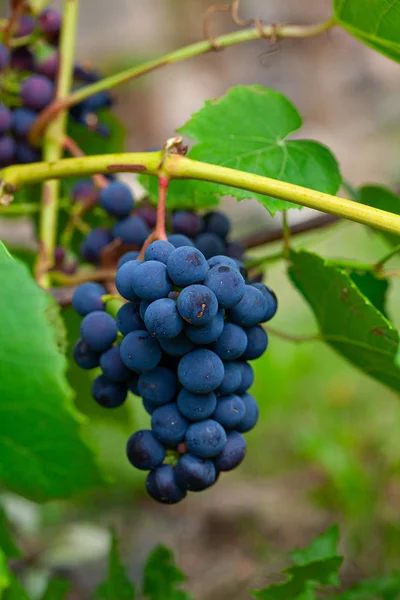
{"x": 28, "y": 86}
{"x": 188, "y": 329}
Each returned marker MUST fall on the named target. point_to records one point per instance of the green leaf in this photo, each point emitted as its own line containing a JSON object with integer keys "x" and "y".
{"x": 376, "y": 23}
{"x": 43, "y": 453}
{"x": 14, "y": 590}
{"x": 57, "y": 589}
{"x": 162, "y": 578}
{"x": 383, "y": 198}
{"x": 117, "y": 585}
{"x": 384, "y": 588}
{"x": 316, "y": 565}
{"x": 5, "y": 579}
{"x": 247, "y": 129}
{"x": 373, "y": 288}
{"x": 7, "y": 544}
{"x": 347, "y": 319}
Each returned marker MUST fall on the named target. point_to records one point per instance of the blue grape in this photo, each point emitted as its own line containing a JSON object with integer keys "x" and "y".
{"x": 162, "y": 319}
{"x": 227, "y": 284}
{"x": 148, "y": 406}
{"x": 162, "y": 486}
{"x": 22, "y": 121}
{"x": 217, "y": 223}
{"x": 99, "y": 330}
{"x": 251, "y": 309}
{"x": 8, "y": 149}
{"x": 87, "y": 298}
{"x": 48, "y": 63}
{"x": 210, "y": 244}
{"x": 205, "y": 438}
{"x": 151, "y": 281}
{"x": 221, "y": 261}
{"x": 84, "y": 356}
{"x": 108, "y": 394}
{"x": 4, "y": 56}
{"x": 196, "y": 407}
{"x": 186, "y": 265}
{"x": 143, "y": 306}
{"x": 206, "y": 334}
{"x": 187, "y": 223}
{"x": 194, "y": 474}
{"x": 25, "y": 26}
{"x": 140, "y": 351}
{"x": 158, "y": 386}
{"x": 133, "y": 384}
{"x": 132, "y": 255}
{"x": 6, "y": 119}
{"x": 83, "y": 190}
{"x": 271, "y": 298}
{"x": 197, "y": 304}
{"x": 177, "y": 346}
{"x": 148, "y": 213}
{"x": 25, "y": 153}
{"x": 178, "y": 240}
{"x": 230, "y": 411}
{"x": 251, "y": 417}
{"x": 247, "y": 377}
{"x": 37, "y": 92}
{"x": 159, "y": 250}
{"x": 131, "y": 230}
{"x": 235, "y": 250}
{"x": 257, "y": 343}
{"x": 144, "y": 451}
{"x": 232, "y": 378}
{"x": 93, "y": 244}
{"x": 124, "y": 280}
{"x": 232, "y": 454}
{"x": 231, "y": 343}
{"x": 168, "y": 425}
{"x": 128, "y": 318}
{"x": 200, "y": 371}
{"x": 49, "y": 22}
{"x": 117, "y": 199}
{"x": 94, "y": 103}
{"x": 112, "y": 366}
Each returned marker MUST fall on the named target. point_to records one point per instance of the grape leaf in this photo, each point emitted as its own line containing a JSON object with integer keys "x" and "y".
{"x": 373, "y": 288}
{"x": 347, "y": 319}
{"x": 7, "y": 544}
{"x": 57, "y": 589}
{"x": 117, "y": 584}
{"x": 314, "y": 566}
{"x": 162, "y": 578}
{"x": 377, "y": 588}
{"x": 376, "y": 23}
{"x": 4, "y": 573}
{"x": 43, "y": 453}
{"x": 383, "y": 198}
{"x": 247, "y": 129}
{"x": 14, "y": 590}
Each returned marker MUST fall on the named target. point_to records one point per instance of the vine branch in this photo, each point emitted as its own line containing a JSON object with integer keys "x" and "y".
{"x": 222, "y": 41}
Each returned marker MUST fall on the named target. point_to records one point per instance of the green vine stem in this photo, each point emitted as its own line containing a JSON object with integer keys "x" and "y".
{"x": 53, "y": 145}
{"x": 222, "y": 41}
{"x": 175, "y": 166}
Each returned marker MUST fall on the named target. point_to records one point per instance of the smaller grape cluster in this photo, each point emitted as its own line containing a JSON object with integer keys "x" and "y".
{"x": 28, "y": 87}
{"x": 189, "y": 327}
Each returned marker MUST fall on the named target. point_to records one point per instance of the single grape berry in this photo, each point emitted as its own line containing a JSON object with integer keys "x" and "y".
{"x": 206, "y": 334}
{"x": 162, "y": 319}
{"x": 232, "y": 454}
{"x": 210, "y": 244}
{"x": 177, "y": 346}
{"x": 158, "y": 386}
{"x": 88, "y": 297}
{"x": 131, "y": 230}
{"x": 149, "y": 214}
{"x": 117, "y": 199}
{"x": 221, "y": 261}
{"x": 187, "y": 223}
{"x": 251, "y": 309}
{"x": 22, "y": 121}
{"x": 231, "y": 343}
{"x": 49, "y": 22}
{"x": 124, "y": 280}
{"x": 168, "y": 425}
{"x": 112, "y": 366}
{"x": 251, "y": 417}
{"x": 132, "y": 255}
{"x": 178, "y": 240}
{"x": 128, "y": 318}
{"x": 200, "y": 371}
{"x": 83, "y": 190}
{"x": 140, "y": 351}
{"x": 196, "y": 407}
{"x": 37, "y": 92}
{"x": 48, "y": 63}
{"x": 25, "y": 26}
{"x": 194, "y": 473}
{"x": 217, "y": 223}
{"x": 205, "y": 438}
{"x": 186, "y": 265}
{"x": 197, "y": 304}
{"x": 227, "y": 284}
{"x": 162, "y": 486}
{"x": 232, "y": 378}
{"x": 150, "y": 280}
{"x": 159, "y": 250}
{"x": 108, "y": 393}
{"x": 247, "y": 377}
{"x": 99, "y": 330}
{"x": 94, "y": 243}
{"x": 271, "y": 298}
{"x": 84, "y": 356}
{"x": 230, "y": 411}
{"x": 257, "y": 342}
{"x": 144, "y": 451}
